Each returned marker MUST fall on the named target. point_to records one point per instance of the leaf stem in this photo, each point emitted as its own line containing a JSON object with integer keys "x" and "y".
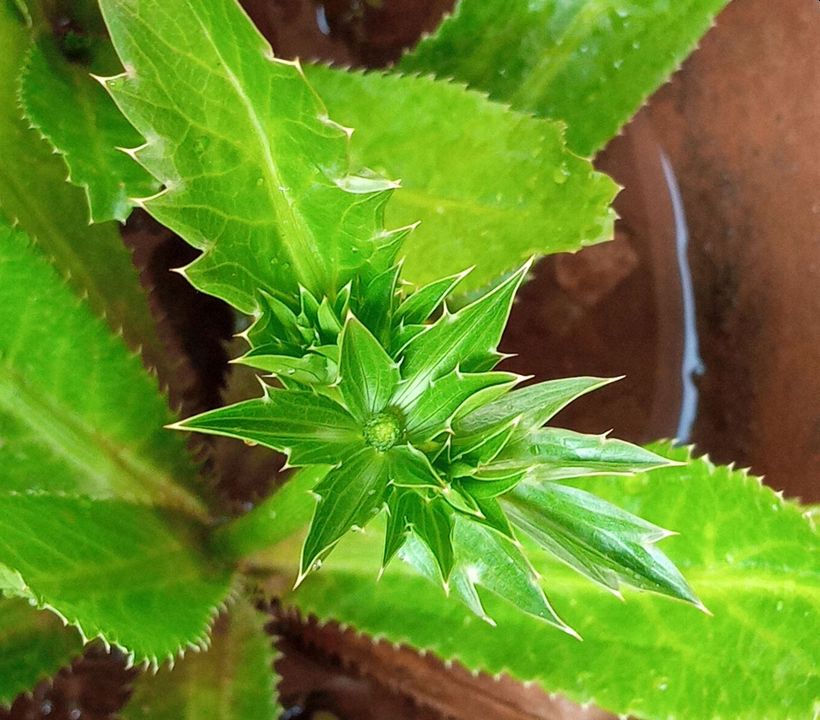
{"x": 278, "y": 516}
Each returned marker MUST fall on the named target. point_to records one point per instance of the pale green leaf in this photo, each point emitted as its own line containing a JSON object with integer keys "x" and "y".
{"x": 33, "y": 645}
{"x": 133, "y": 575}
{"x": 590, "y": 63}
{"x": 255, "y": 174}
{"x": 349, "y": 496}
{"x": 410, "y": 468}
{"x": 491, "y": 187}
{"x": 367, "y": 374}
{"x": 555, "y": 454}
{"x": 421, "y": 304}
{"x": 311, "y": 429}
{"x": 79, "y": 414}
{"x": 751, "y": 557}
{"x": 601, "y": 541}
{"x": 467, "y": 339}
{"x": 232, "y": 680}
{"x": 75, "y": 114}
{"x": 531, "y": 407}
{"x": 34, "y": 193}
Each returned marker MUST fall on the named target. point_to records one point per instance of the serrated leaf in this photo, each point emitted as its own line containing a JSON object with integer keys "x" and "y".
{"x": 590, "y": 63}
{"x": 79, "y": 414}
{"x": 555, "y": 454}
{"x": 367, "y": 374}
{"x": 445, "y": 396}
{"x": 599, "y": 540}
{"x": 233, "y": 679}
{"x": 33, "y": 645}
{"x": 311, "y": 429}
{"x": 255, "y": 173}
{"x": 410, "y": 468}
{"x": 531, "y": 407}
{"x": 378, "y": 302}
{"x": 492, "y": 187}
{"x": 349, "y": 496}
{"x": 751, "y": 557}
{"x": 137, "y": 576}
{"x": 78, "y": 118}
{"x": 33, "y": 192}
{"x": 467, "y": 339}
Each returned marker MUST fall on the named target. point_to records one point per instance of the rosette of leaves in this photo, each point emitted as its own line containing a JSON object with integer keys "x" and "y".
{"x": 397, "y": 400}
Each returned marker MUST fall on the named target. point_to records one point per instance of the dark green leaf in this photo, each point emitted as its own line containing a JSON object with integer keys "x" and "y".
{"x": 467, "y": 339}
{"x": 410, "y": 468}
{"x": 367, "y": 374}
{"x": 33, "y": 192}
{"x": 349, "y": 496}
{"x": 310, "y": 429}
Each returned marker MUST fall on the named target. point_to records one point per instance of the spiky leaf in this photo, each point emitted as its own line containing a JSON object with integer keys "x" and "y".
{"x": 349, "y": 496}
{"x": 603, "y": 542}
{"x": 311, "y": 429}
{"x": 33, "y": 192}
{"x": 590, "y": 63}
{"x": 232, "y": 680}
{"x": 135, "y": 575}
{"x": 33, "y": 645}
{"x": 507, "y": 190}
{"x": 78, "y": 118}
{"x": 367, "y": 374}
{"x": 751, "y": 557}
{"x": 78, "y": 412}
{"x": 467, "y": 339}
{"x": 256, "y": 175}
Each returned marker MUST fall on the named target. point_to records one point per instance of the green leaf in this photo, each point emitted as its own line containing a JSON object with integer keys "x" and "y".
{"x": 491, "y": 187}
{"x": 410, "y": 468}
{"x": 79, "y": 414}
{"x": 590, "y": 63}
{"x": 311, "y": 369}
{"x": 429, "y": 519}
{"x": 33, "y": 192}
{"x": 445, "y": 396}
{"x": 310, "y": 429}
{"x": 554, "y": 454}
{"x": 467, "y": 339}
{"x": 349, "y": 496}
{"x": 78, "y": 118}
{"x": 417, "y": 307}
{"x": 367, "y": 374}
{"x": 133, "y": 575}
{"x": 232, "y": 680}
{"x": 750, "y": 556}
{"x": 33, "y": 645}
{"x": 255, "y": 174}
{"x": 485, "y": 558}
{"x": 599, "y": 540}
{"x": 530, "y": 407}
